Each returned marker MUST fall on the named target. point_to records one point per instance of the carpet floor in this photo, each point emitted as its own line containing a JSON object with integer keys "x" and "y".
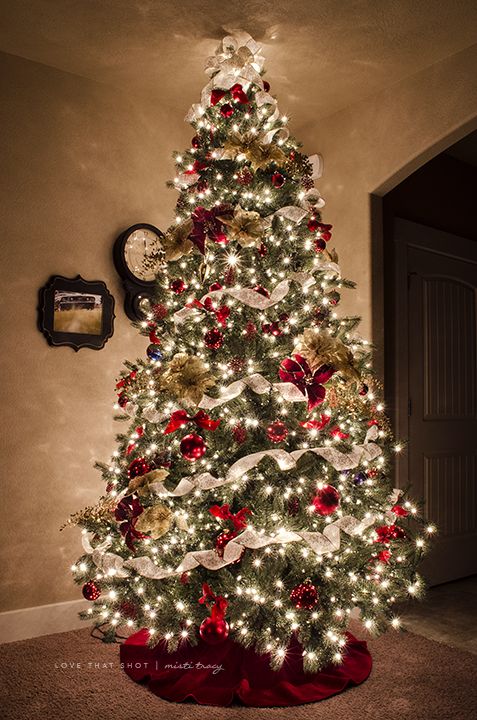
{"x": 72, "y": 676}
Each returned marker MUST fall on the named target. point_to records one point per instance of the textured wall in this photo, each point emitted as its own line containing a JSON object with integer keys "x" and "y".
{"x": 80, "y": 163}
{"x": 83, "y": 161}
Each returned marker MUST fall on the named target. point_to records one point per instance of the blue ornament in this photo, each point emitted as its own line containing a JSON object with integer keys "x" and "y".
{"x": 154, "y": 353}
{"x": 360, "y": 478}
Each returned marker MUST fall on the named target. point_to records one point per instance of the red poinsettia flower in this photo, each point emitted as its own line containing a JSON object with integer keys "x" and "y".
{"x": 337, "y": 433}
{"x": 298, "y": 372}
{"x": 399, "y": 510}
{"x": 207, "y": 225}
{"x": 386, "y": 533}
{"x": 317, "y": 424}
{"x": 128, "y": 510}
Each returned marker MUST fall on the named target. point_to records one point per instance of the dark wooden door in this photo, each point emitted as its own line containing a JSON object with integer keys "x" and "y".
{"x": 440, "y": 351}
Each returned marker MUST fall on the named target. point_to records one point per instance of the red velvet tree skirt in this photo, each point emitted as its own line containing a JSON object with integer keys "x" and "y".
{"x": 222, "y": 674}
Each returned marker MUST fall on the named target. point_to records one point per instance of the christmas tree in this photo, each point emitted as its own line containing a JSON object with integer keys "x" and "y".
{"x": 251, "y": 495}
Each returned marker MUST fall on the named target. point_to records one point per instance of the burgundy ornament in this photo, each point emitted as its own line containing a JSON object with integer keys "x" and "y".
{"x": 244, "y": 177}
{"x": 91, "y": 591}
{"x": 237, "y": 364}
{"x": 222, "y": 540}
{"x": 239, "y": 433}
{"x": 278, "y": 180}
{"x": 214, "y": 339}
{"x": 277, "y": 431}
{"x": 123, "y": 400}
{"x": 193, "y": 447}
{"x": 138, "y": 467}
{"x": 293, "y": 506}
{"x": 364, "y": 390}
{"x": 320, "y": 245}
{"x": 177, "y": 286}
{"x": 304, "y": 596}
{"x": 195, "y": 142}
{"x": 213, "y": 630}
{"x": 266, "y": 86}
{"x": 326, "y": 500}
{"x": 226, "y": 110}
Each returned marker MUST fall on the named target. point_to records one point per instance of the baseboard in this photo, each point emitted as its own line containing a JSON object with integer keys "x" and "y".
{"x": 41, "y": 620}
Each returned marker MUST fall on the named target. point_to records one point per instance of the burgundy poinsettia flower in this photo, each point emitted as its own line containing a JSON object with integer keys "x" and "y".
{"x": 128, "y": 511}
{"x": 298, "y": 372}
{"x": 386, "y": 533}
{"x": 207, "y": 225}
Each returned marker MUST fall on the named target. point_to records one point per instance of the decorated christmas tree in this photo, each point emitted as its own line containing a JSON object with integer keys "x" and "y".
{"x": 250, "y": 496}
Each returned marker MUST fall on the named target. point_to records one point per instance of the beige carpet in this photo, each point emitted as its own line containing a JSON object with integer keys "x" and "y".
{"x": 412, "y": 678}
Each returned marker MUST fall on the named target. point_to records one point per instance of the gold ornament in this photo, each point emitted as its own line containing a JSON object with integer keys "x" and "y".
{"x": 155, "y": 521}
{"x": 176, "y": 241}
{"x": 187, "y": 378}
{"x": 245, "y": 227}
{"x": 141, "y": 484}
{"x": 320, "y": 348}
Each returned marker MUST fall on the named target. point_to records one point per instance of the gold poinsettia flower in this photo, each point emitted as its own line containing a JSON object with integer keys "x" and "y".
{"x": 186, "y": 377}
{"x": 155, "y": 521}
{"x": 321, "y": 348}
{"x": 176, "y": 241}
{"x": 141, "y": 485}
{"x": 262, "y": 155}
{"x": 246, "y": 227}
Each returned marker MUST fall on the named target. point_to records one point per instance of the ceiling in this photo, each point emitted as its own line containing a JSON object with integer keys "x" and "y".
{"x": 322, "y": 55}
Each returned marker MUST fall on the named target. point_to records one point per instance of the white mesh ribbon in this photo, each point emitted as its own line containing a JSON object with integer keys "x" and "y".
{"x": 258, "y": 384}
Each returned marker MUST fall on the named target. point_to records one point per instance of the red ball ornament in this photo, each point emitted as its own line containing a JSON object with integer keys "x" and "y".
{"x": 320, "y": 245}
{"x": 326, "y": 500}
{"x": 214, "y": 631}
{"x": 177, "y": 286}
{"x": 364, "y": 390}
{"x": 213, "y": 339}
{"x": 222, "y": 540}
{"x": 237, "y": 364}
{"x": 193, "y": 447}
{"x": 239, "y": 433}
{"x": 91, "y": 591}
{"x": 266, "y": 86}
{"x": 304, "y": 596}
{"x": 313, "y": 224}
{"x": 123, "y": 400}
{"x": 226, "y": 110}
{"x": 137, "y": 468}
{"x": 277, "y": 431}
{"x": 278, "y": 180}
{"x": 195, "y": 142}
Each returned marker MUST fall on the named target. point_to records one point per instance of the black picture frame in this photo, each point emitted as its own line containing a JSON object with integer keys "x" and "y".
{"x": 76, "y": 312}
{"x": 136, "y": 289}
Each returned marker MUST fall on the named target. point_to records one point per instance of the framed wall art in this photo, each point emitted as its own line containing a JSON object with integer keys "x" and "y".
{"x": 76, "y": 312}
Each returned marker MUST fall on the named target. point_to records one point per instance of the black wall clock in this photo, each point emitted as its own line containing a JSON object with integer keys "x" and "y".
{"x": 133, "y": 248}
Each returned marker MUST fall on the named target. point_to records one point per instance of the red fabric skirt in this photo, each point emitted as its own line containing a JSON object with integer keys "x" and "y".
{"x": 222, "y": 674}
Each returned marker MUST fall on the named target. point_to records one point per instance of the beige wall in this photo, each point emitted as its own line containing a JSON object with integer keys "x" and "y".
{"x": 82, "y": 162}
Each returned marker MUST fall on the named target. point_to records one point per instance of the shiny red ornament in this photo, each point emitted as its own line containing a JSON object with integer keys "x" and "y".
{"x": 320, "y": 245}
{"x": 193, "y": 447}
{"x": 372, "y": 473}
{"x": 177, "y": 286}
{"x": 214, "y": 631}
{"x": 123, "y": 400}
{"x": 304, "y": 596}
{"x": 216, "y": 95}
{"x": 160, "y": 311}
{"x": 363, "y": 390}
{"x": 237, "y": 364}
{"x": 266, "y": 86}
{"x": 195, "y": 142}
{"x": 138, "y": 467}
{"x": 313, "y": 224}
{"x": 277, "y": 431}
{"x": 222, "y": 540}
{"x": 262, "y": 291}
{"x": 91, "y": 591}
{"x": 278, "y": 180}
{"x": 239, "y": 433}
{"x": 226, "y": 110}
{"x": 272, "y": 329}
{"x": 326, "y": 500}
{"x": 214, "y": 339}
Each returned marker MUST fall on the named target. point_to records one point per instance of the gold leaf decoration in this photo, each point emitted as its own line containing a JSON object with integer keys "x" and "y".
{"x": 141, "y": 484}
{"x": 246, "y": 227}
{"x": 176, "y": 241}
{"x": 155, "y": 521}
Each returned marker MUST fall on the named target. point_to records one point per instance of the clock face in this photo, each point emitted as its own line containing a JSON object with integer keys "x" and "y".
{"x": 142, "y": 244}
